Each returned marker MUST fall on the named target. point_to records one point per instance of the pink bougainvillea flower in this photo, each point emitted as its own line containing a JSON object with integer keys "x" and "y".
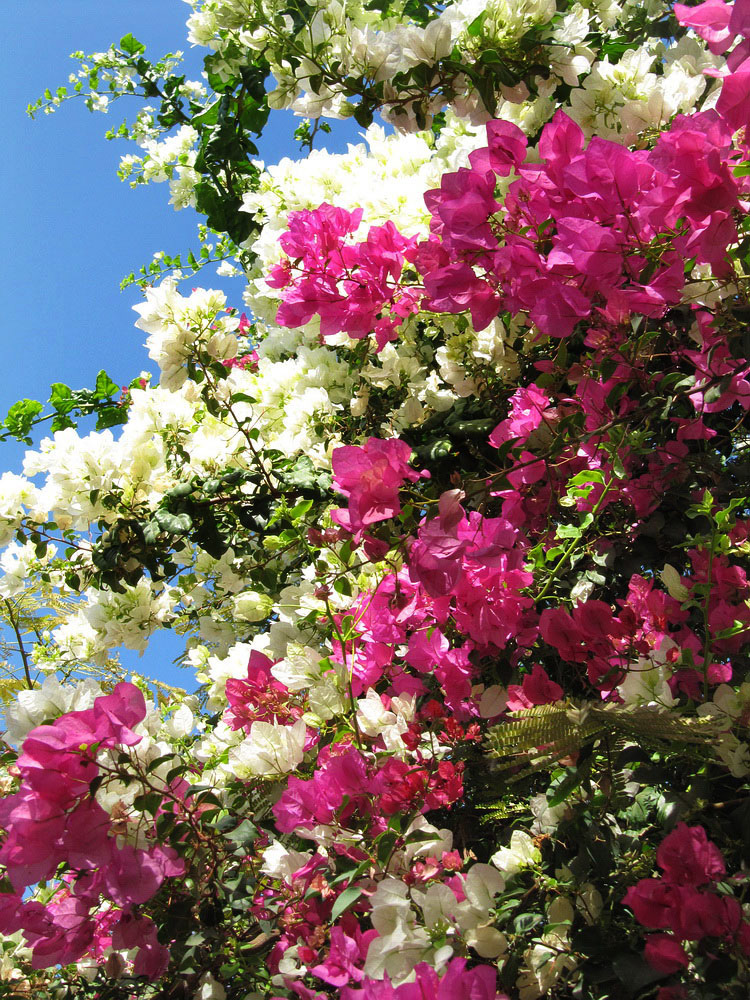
{"x": 688, "y": 857}
{"x": 11, "y": 912}
{"x": 666, "y": 954}
{"x": 463, "y": 204}
{"x": 259, "y": 697}
{"x": 655, "y": 902}
{"x": 345, "y": 958}
{"x": 68, "y": 933}
{"x": 458, "y": 983}
{"x": 530, "y": 407}
{"x": 734, "y": 101}
{"x": 710, "y": 20}
{"x": 140, "y": 932}
{"x": 339, "y": 774}
{"x": 536, "y": 688}
{"x": 370, "y": 476}
{"x": 506, "y": 148}
{"x": 53, "y": 820}
{"x": 133, "y": 875}
{"x": 354, "y": 288}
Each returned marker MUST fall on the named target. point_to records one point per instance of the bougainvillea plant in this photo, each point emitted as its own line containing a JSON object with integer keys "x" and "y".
{"x": 447, "y": 508}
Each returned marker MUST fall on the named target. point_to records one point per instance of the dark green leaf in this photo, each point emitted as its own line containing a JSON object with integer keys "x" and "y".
{"x": 344, "y": 901}
{"x": 173, "y": 524}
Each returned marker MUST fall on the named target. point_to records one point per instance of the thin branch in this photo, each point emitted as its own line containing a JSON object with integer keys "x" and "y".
{"x": 21, "y": 647}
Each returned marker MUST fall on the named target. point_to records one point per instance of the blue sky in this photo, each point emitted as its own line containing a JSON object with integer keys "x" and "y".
{"x": 71, "y": 230}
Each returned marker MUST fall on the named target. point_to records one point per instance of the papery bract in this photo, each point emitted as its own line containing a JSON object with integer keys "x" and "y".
{"x": 688, "y": 857}
{"x": 370, "y": 476}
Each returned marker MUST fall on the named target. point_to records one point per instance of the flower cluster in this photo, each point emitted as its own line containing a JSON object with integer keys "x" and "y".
{"x": 353, "y": 288}
{"x": 685, "y": 901}
{"x": 53, "y": 819}
{"x": 370, "y": 476}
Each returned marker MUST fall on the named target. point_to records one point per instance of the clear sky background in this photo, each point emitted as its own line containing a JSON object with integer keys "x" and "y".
{"x": 70, "y": 229}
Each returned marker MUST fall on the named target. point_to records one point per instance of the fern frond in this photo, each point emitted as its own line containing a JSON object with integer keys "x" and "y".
{"x": 537, "y": 738}
{"x": 504, "y": 809}
{"x": 165, "y": 693}
{"x": 26, "y": 619}
{"x": 9, "y": 688}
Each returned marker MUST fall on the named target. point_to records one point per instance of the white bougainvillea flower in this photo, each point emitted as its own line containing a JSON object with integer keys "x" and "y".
{"x": 269, "y": 750}
{"x": 520, "y": 854}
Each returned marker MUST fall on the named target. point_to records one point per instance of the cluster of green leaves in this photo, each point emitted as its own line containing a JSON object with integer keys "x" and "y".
{"x": 225, "y": 126}
{"x": 187, "y": 264}
{"x": 235, "y": 111}
{"x": 213, "y": 514}
{"x": 121, "y": 70}
{"x": 65, "y": 406}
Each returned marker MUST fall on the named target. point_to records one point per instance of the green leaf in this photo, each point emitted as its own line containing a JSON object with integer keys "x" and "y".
{"x": 386, "y": 843}
{"x": 301, "y": 509}
{"x": 301, "y": 474}
{"x": 243, "y": 834}
{"x": 149, "y": 802}
{"x": 486, "y": 87}
{"x": 475, "y": 28}
{"x": 155, "y": 764}
{"x": 587, "y": 476}
{"x": 20, "y": 418}
{"x": 363, "y": 115}
{"x": 62, "y": 397}
{"x": 110, "y": 416}
{"x": 222, "y": 212}
{"x": 634, "y": 972}
{"x": 208, "y": 116}
{"x": 561, "y": 788}
{"x": 131, "y": 45}
{"x": 173, "y": 524}
{"x": 490, "y": 56}
{"x": 676, "y": 381}
{"x": 525, "y": 922}
{"x": 616, "y": 393}
{"x": 95, "y": 784}
{"x": 344, "y": 901}
{"x": 105, "y": 387}
{"x": 713, "y": 394}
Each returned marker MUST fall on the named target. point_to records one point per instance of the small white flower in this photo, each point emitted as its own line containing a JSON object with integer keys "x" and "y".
{"x": 269, "y": 750}
{"x": 209, "y": 989}
{"x": 250, "y": 606}
{"x": 520, "y": 854}
{"x": 181, "y": 723}
{"x": 281, "y": 862}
